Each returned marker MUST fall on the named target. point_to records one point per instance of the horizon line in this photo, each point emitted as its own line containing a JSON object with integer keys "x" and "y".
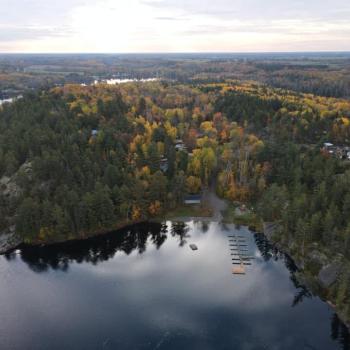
{"x": 181, "y": 52}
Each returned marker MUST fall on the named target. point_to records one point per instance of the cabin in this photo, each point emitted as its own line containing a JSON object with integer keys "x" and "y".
{"x": 341, "y": 152}
{"x": 164, "y": 165}
{"x": 193, "y": 199}
{"x": 329, "y": 147}
{"x": 180, "y": 146}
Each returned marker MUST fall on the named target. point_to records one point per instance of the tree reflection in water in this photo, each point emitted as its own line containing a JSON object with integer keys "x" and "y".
{"x": 180, "y": 230}
{"x": 268, "y": 251}
{"x": 138, "y": 238}
{"x": 102, "y": 248}
{"x": 340, "y": 333}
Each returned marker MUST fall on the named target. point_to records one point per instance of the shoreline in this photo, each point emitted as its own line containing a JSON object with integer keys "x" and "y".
{"x": 83, "y": 237}
{"x": 217, "y": 206}
{"x": 269, "y": 229}
{"x": 8, "y": 247}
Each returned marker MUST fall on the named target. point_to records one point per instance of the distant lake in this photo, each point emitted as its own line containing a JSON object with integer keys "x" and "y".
{"x": 144, "y": 288}
{"x": 9, "y": 100}
{"x": 121, "y": 81}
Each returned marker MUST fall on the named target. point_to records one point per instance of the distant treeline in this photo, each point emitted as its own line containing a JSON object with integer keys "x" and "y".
{"x": 319, "y": 73}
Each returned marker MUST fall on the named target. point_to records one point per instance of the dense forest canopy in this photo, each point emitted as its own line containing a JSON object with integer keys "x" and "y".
{"x": 84, "y": 156}
{"x": 78, "y": 160}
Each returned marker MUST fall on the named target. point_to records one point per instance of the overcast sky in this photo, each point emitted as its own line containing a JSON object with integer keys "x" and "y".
{"x": 174, "y": 25}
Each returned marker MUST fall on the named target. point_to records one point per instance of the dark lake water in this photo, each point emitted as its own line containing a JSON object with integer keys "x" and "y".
{"x": 144, "y": 288}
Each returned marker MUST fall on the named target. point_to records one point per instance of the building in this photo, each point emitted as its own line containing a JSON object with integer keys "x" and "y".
{"x": 193, "y": 199}
{"x": 329, "y": 147}
{"x": 180, "y": 146}
{"x": 341, "y": 152}
{"x": 164, "y": 165}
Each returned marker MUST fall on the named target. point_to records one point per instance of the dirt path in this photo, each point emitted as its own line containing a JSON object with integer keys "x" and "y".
{"x": 215, "y": 203}
{"x": 211, "y": 200}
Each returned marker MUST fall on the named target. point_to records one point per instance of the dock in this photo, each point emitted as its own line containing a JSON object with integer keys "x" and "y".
{"x": 239, "y": 270}
{"x": 240, "y": 256}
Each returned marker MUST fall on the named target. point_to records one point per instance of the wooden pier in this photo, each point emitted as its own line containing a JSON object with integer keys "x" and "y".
{"x": 239, "y": 254}
{"x": 239, "y": 270}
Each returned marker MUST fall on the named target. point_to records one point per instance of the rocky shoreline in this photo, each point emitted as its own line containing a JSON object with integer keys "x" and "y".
{"x": 325, "y": 278}
{"x": 8, "y": 242}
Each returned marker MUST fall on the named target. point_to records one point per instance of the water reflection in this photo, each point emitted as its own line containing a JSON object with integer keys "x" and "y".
{"x": 99, "y": 249}
{"x": 142, "y": 286}
{"x": 180, "y": 230}
{"x": 269, "y": 251}
{"x": 340, "y": 332}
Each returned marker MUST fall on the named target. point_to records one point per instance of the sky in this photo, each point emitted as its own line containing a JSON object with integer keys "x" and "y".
{"x": 120, "y": 26}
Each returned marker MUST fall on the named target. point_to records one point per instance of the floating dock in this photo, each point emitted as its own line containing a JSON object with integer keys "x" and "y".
{"x": 239, "y": 270}
{"x": 239, "y": 254}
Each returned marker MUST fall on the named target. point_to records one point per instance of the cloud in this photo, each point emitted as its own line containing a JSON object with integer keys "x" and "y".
{"x": 169, "y": 18}
{"x": 15, "y": 33}
{"x": 286, "y": 27}
{"x": 172, "y": 25}
{"x": 36, "y": 11}
{"x": 35, "y": 19}
{"x": 256, "y": 9}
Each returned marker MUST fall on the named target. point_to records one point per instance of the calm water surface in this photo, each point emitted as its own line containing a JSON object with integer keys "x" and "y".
{"x": 144, "y": 288}
{"x": 9, "y": 100}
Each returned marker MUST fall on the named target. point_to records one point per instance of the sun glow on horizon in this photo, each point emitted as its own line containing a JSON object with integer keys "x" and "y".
{"x": 109, "y": 26}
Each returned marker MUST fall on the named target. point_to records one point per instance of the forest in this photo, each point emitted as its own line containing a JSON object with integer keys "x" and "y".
{"x": 80, "y": 160}
{"x": 324, "y": 74}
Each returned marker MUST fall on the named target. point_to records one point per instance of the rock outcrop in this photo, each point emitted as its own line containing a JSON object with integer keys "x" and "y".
{"x": 270, "y": 228}
{"x": 9, "y": 240}
{"x": 329, "y": 274}
{"x": 10, "y": 190}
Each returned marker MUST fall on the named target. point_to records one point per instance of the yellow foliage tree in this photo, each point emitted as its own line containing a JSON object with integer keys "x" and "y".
{"x": 193, "y": 184}
{"x": 136, "y": 212}
{"x": 155, "y": 208}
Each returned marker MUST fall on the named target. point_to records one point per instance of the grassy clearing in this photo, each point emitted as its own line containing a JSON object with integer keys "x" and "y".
{"x": 248, "y": 218}
{"x": 188, "y": 211}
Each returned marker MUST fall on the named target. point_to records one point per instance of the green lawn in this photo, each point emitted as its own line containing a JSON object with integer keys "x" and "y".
{"x": 247, "y": 219}
{"x": 187, "y": 211}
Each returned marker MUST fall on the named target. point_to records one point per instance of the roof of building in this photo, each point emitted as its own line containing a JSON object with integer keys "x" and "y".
{"x": 193, "y": 197}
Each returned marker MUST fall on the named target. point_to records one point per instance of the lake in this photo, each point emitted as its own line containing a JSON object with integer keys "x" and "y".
{"x": 6, "y": 100}
{"x": 144, "y": 288}
{"x": 113, "y": 81}
{"x": 9, "y": 100}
